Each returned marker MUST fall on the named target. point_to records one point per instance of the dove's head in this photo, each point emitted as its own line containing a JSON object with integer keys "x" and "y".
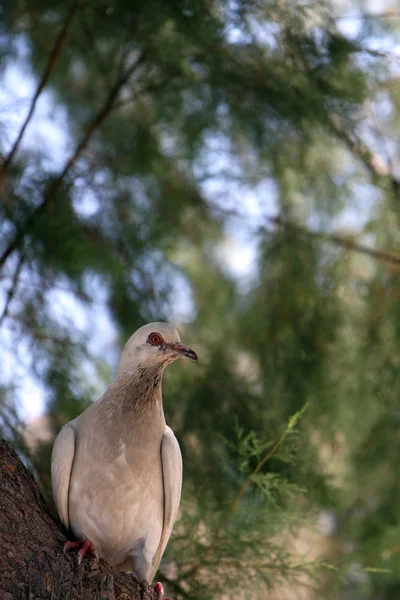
{"x": 152, "y": 346}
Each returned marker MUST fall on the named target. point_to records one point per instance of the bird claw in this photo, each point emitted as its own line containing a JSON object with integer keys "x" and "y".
{"x": 86, "y": 547}
{"x": 159, "y": 590}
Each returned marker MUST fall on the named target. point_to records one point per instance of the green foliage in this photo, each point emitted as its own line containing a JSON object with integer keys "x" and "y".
{"x": 219, "y": 541}
{"x": 164, "y": 129}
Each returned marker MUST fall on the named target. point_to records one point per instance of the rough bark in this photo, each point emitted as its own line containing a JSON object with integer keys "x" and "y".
{"x": 32, "y": 563}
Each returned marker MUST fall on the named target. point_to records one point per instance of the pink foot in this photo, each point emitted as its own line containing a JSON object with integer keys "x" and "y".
{"x": 86, "y": 547}
{"x": 159, "y": 589}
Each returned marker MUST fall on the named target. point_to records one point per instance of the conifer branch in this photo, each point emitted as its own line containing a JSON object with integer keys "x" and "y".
{"x": 345, "y": 242}
{"x": 13, "y": 289}
{"x": 374, "y": 163}
{"x": 293, "y": 420}
{"x": 363, "y": 16}
{"x": 275, "y": 448}
{"x": 58, "y": 44}
{"x": 56, "y": 184}
{"x": 388, "y": 256}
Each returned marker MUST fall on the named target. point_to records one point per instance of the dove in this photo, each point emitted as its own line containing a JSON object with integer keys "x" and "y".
{"x": 117, "y": 468}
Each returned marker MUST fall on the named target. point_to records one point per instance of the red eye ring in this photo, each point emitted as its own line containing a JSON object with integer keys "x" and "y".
{"x": 155, "y": 339}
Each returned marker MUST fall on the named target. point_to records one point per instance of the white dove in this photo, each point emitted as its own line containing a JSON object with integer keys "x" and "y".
{"x": 117, "y": 468}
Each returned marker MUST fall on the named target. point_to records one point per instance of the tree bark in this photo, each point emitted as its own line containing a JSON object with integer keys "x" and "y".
{"x": 32, "y": 563}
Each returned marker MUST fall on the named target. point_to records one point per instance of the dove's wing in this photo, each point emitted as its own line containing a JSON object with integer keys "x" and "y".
{"x": 62, "y": 459}
{"x": 171, "y": 460}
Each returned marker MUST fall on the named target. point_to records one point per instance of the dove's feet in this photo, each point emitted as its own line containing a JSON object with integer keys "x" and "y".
{"x": 159, "y": 589}
{"x": 86, "y": 547}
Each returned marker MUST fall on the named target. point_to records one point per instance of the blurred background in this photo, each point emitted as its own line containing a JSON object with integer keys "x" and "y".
{"x": 231, "y": 166}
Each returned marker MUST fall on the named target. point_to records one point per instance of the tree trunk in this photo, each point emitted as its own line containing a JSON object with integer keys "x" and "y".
{"x": 32, "y": 563}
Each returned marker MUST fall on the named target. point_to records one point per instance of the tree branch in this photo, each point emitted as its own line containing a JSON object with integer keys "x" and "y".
{"x": 58, "y": 44}
{"x": 32, "y": 562}
{"x": 275, "y": 448}
{"x": 362, "y": 16}
{"x": 383, "y": 255}
{"x": 373, "y": 162}
{"x": 56, "y": 184}
{"x": 13, "y": 288}
{"x": 348, "y": 243}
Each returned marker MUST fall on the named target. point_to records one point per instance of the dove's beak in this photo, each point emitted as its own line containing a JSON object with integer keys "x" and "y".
{"x": 183, "y": 350}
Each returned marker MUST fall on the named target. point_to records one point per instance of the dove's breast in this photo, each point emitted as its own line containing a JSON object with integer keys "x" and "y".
{"x": 116, "y": 498}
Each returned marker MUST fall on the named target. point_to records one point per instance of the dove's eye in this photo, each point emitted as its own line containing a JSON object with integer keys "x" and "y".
{"x": 155, "y": 339}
